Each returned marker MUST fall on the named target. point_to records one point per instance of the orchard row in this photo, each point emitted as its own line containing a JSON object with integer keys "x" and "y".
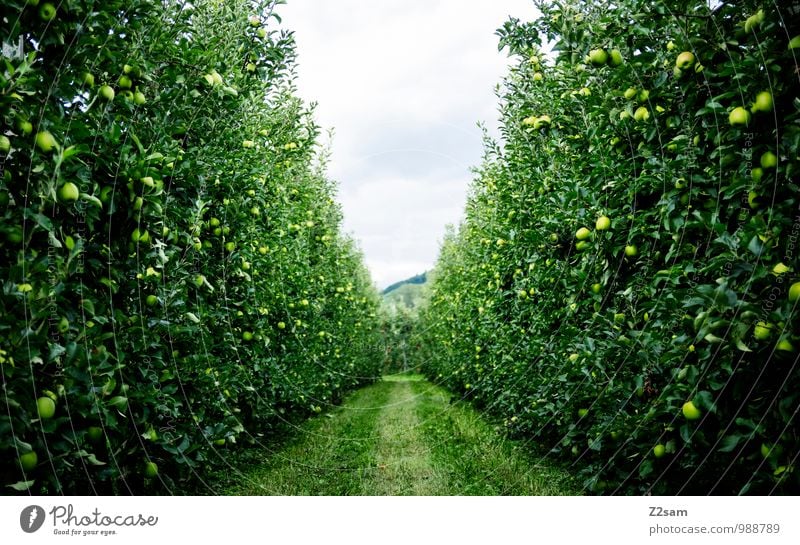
{"x": 175, "y": 282}
{"x": 623, "y": 293}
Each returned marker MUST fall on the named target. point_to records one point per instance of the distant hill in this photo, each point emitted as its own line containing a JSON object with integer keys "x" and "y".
{"x": 405, "y": 296}
{"x": 418, "y": 279}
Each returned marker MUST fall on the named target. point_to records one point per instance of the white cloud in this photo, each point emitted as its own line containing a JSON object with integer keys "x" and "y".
{"x": 403, "y": 83}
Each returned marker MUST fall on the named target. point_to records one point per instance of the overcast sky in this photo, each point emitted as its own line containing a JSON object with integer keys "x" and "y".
{"x": 403, "y": 84}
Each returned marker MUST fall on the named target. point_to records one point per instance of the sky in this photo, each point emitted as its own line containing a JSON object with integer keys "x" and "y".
{"x": 403, "y": 84}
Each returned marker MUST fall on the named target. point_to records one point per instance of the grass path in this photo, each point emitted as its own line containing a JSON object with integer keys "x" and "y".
{"x": 400, "y": 436}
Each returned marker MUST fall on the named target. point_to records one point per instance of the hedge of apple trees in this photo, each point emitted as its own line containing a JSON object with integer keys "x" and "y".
{"x": 174, "y": 281}
{"x": 623, "y": 292}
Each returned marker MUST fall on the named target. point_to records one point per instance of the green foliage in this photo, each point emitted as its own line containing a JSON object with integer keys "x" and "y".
{"x": 196, "y": 290}
{"x": 591, "y": 348}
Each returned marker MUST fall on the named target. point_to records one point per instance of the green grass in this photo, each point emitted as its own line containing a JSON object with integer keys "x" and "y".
{"x": 400, "y": 436}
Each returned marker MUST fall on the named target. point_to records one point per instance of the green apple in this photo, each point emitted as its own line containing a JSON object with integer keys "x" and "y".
{"x": 139, "y": 99}
{"x": 794, "y": 292}
{"x": 671, "y": 46}
{"x": 690, "y": 411}
{"x": 25, "y": 126}
{"x": 47, "y": 12}
{"x": 641, "y": 114}
{"x": 583, "y": 233}
{"x": 763, "y": 102}
{"x": 631, "y": 250}
{"x": 247, "y": 336}
{"x": 68, "y": 192}
{"x": 659, "y": 450}
{"x": 582, "y": 412}
{"x": 615, "y": 57}
{"x": 199, "y": 280}
{"x": 230, "y": 246}
{"x": 94, "y": 434}
{"x": 29, "y": 461}
{"x": 150, "y": 470}
{"x": 598, "y": 57}
{"x": 643, "y": 95}
{"x": 88, "y": 79}
{"x": 46, "y": 408}
{"x": 794, "y": 43}
{"x": 603, "y": 223}
{"x": 784, "y": 345}
{"x": 757, "y": 173}
{"x": 685, "y": 60}
{"x": 124, "y": 82}
{"x": 762, "y": 331}
{"x": 281, "y": 325}
{"x": 248, "y": 144}
{"x": 768, "y": 160}
{"x": 630, "y": 93}
{"x": 106, "y": 93}
{"x": 739, "y": 116}
{"x": 5, "y": 144}
{"x": 45, "y": 141}
{"x": 151, "y": 300}
{"x": 596, "y": 288}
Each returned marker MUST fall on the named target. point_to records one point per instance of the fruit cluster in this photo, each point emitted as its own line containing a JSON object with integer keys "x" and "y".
{"x": 168, "y": 292}
{"x": 657, "y": 351}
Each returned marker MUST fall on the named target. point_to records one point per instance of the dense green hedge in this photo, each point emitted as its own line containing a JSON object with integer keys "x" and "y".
{"x": 173, "y": 273}
{"x": 589, "y": 337}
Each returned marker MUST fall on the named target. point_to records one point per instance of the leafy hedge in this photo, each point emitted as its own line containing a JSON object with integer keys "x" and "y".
{"x": 623, "y": 291}
{"x": 173, "y": 274}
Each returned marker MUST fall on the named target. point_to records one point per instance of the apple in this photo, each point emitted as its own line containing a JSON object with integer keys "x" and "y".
{"x": 124, "y": 82}
{"x": 45, "y": 141}
{"x": 631, "y": 250}
{"x": 151, "y": 300}
{"x": 150, "y": 470}
{"x": 685, "y": 60}
{"x": 739, "y": 116}
{"x": 247, "y": 336}
{"x": 542, "y": 122}
{"x": 573, "y": 357}
{"x": 46, "y": 408}
{"x": 598, "y": 57}
{"x": 29, "y": 461}
{"x": 615, "y": 57}
{"x": 68, "y": 192}
{"x": 768, "y": 160}
{"x": 230, "y": 246}
{"x": 762, "y": 331}
{"x": 251, "y": 67}
{"x": 139, "y": 98}
{"x": 794, "y": 292}
{"x": 281, "y": 325}
{"x": 659, "y": 450}
{"x": 88, "y": 79}
{"x": 794, "y": 43}
{"x": 47, "y": 12}
{"x": 597, "y": 287}
{"x": 752, "y": 200}
{"x": 643, "y": 95}
{"x": 537, "y": 76}
{"x": 763, "y": 102}
{"x": 582, "y": 412}
{"x": 248, "y": 144}
{"x": 784, "y": 345}
{"x": 630, "y": 93}
{"x": 757, "y": 173}
{"x": 261, "y": 32}
{"x": 199, "y": 280}
{"x": 25, "y": 127}
{"x": 690, "y": 411}
{"x": 5, "y": 144}
{"x": 254, "y": 20}
{"x": 641, "y": 114}
{"x": 94, "y": 434}
{"x": 603, "y": 223}
{"x": 106, "y": 93}
{"x": 583, "y": 233}
{"x": 671, "y": 46}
